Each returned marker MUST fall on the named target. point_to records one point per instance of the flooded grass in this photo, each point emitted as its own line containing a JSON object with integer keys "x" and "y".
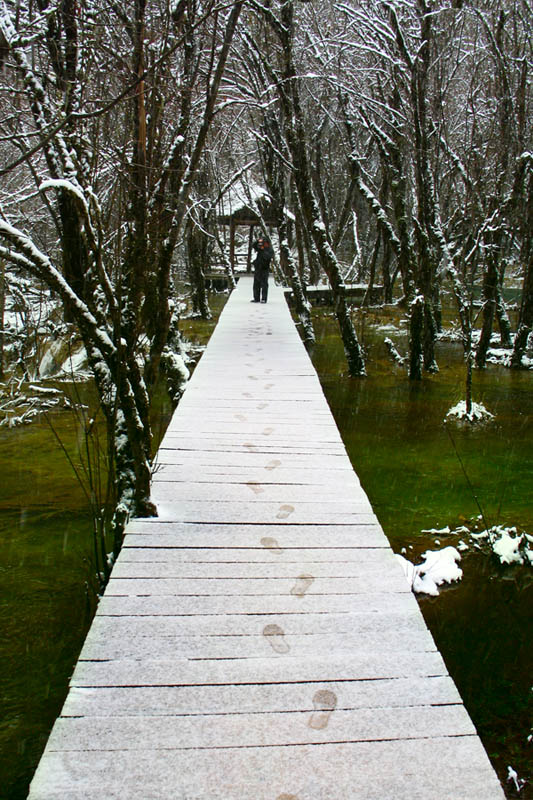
{"x": 46, "y": 598}
{"x": 409, "y": 463}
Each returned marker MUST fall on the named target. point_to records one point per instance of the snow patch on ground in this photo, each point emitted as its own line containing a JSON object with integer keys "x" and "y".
{"x": 512, "y": 777}
{"x": 505, "y": 542}
{"x": 49, "y": 365}
{"x": 387, "y": 328}
{"x": 438, "y": 567}
{"x": 478, "y": 412}
{"x": 450, "y": 335}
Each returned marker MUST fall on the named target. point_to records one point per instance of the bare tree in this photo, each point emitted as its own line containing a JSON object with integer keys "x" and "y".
{"x": 285, "y": 78}
{"x": 113, "y": 163}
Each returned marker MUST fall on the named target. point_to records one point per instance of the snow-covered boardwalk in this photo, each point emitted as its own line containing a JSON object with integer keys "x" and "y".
{"x": 258, "y": 640}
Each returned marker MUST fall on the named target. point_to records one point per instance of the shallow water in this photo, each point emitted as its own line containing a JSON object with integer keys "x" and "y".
{"x": 46, "y": 605}
{"x": 409, "y": 463}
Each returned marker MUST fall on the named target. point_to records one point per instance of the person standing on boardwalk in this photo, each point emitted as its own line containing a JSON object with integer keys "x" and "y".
{"x": 262, "y": 261}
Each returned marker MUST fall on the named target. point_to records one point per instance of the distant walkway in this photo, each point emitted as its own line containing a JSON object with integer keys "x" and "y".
{"x": 258, "y": 640}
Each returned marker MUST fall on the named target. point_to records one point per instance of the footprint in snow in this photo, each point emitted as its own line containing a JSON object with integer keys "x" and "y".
{"x": 285, "y": 511}
{"x": 275, "y": 636}
{"x": 271, "y": 544}
{"x": 303, "y": 582}
{"x": 325, "y": 703}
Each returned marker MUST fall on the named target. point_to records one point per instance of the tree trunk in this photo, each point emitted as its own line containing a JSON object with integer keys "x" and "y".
{"x": 525, "y": 320}
{"x": 490, "y": 280}
{"x": 416, "y": 327}
{"x": 504, "y": 323}
{"x": 278, "y": 188}
{"x": 468, "y": 382}
{"x": 388, "y": 285}
{"x": 429, "y": 337}
{"x": 301, "y": 303}
{"x": 295, "y": 134}
{"x": 2, "y": 314}
{"x": 196, "y": 260}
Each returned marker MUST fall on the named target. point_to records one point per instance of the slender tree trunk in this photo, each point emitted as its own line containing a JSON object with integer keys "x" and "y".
{"x": 278, "y": 188}
{"x": 2, "y": 314}
{"x": 490, "y": 280}
{"x": 296, "y": 142}
{"x": 525, "y": 320}
{"x": 303, "y": 271}
{"x": 504, "y": 323}
{"x": 388, "y": 284}
{"x": 416, "y": 345}
{"x": 468, "y": 382}
{"x": 301, "y": 303}
{"x": 429, "y": 337}
{"x": 197, "y": 258}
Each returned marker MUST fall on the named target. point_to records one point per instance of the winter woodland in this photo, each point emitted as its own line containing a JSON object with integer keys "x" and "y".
{"x": 393, "y": 139}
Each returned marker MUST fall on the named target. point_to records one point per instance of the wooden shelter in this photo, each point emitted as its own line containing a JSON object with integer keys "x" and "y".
{"x": 237, "y": 211}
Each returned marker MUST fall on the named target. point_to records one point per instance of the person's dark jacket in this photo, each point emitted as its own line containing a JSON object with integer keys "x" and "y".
{"x": 263, "y": 258}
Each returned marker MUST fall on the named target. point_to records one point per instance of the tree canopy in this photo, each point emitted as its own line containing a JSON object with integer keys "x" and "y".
{"x": 393, "y": 138}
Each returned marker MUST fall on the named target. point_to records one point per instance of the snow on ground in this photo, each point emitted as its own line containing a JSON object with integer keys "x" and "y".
{"x": 450, "y": 335}
{"x": 387, "y": 327}
{"x": 478, "y": 412}
{"x": 512, "y": 777}
{"x": 438, "y": 567}
{"x": 507, "y": 544}
{"x": 76, "y": 362}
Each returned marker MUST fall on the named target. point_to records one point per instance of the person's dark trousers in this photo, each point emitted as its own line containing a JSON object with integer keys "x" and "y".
{"x": 261, "y": 285}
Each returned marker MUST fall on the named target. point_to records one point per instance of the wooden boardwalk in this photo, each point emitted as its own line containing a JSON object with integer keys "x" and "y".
{"x": 258, "y": 640}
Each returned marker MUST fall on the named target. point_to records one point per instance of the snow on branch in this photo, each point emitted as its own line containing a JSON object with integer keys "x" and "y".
{"x": 380, "y": 213}
{"x": 42, "y": 113}
{"x": 68, "y": 186}
{"x": 27, "y": 254}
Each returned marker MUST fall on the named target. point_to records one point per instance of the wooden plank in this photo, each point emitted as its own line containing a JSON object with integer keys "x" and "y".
{"x": 111, "y": 701}
{"x": 256, "y": 444}
{"x": 178, "y": 671}
{"x": 297, "y": 585}
{"x": 373, "y": 771}
{"x": 237, "y": 473}
{"x": 342, "y": 557}
{"x": 271, "y": 641}
{"x": 189, "y": 732}
{"x": 358, "y": 533}
{"x": 165, "y": 491}
{"x": 267, "y": 536}
{"x": 286, "y": 512}
{"x": 248, "y": 457}
{"x": 175, "y": 605}
{"x": 279, "y": 569}
{"x": 318, "y": 436}
{"x": 306, "y": 624}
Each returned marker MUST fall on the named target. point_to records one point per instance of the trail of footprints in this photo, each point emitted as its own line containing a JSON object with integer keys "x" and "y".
{"x": 324, "y": 701}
